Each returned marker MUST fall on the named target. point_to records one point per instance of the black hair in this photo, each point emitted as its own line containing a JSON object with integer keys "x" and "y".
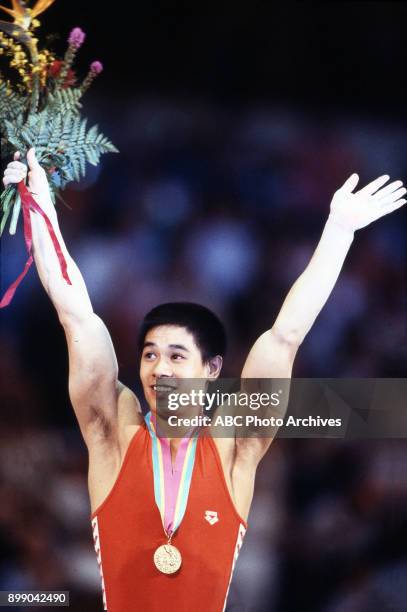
{"x": 207, "y": 329}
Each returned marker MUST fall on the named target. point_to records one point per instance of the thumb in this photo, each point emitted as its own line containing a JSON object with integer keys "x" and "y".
{"x": 31, "y": 159}
{"x": 350, "y": 184}
{"x": 17, "y": 156}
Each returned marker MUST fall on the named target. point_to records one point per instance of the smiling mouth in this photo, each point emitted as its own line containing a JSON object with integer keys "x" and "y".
{"x": 160, "y": 388}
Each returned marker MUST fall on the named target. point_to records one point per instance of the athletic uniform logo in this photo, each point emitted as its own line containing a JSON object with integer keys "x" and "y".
{"x": 211, "y": 516}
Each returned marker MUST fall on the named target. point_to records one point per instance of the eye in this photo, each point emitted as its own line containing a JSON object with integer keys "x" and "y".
{"x": 177, "y": 357}
{"x": 149, "y": 355}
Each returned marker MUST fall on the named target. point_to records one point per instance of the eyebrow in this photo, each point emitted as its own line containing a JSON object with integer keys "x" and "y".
{"x": 173, "y": 346}
{"x": 179, "y": 346}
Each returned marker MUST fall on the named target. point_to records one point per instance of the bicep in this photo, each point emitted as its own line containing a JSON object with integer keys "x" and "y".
{"x": 93, "y": 371}
{"x": 271, "y": 356}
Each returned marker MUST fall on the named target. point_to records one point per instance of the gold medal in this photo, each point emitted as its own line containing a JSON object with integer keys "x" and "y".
{"x": 170, "y": 491}
{"x": 167, "y": 559}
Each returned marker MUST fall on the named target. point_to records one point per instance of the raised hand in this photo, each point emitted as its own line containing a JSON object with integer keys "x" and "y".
{"x": 16, "y": 171}
{"x": 354, "y": 210}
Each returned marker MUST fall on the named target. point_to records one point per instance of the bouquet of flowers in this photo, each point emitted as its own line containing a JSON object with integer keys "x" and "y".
{"x": 41, "y": 108}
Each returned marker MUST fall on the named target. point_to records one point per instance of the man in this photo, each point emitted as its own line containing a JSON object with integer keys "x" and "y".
{"x": 184, "y": 559}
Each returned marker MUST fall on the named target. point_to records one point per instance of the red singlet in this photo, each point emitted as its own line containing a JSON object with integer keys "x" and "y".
{"x": 127, "y": 529}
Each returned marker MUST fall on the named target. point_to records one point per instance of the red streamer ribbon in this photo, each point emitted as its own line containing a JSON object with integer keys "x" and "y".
{"x": 28, "y": 203}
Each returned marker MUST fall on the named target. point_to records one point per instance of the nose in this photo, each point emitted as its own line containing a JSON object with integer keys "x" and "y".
{"x": 162, "y": 368}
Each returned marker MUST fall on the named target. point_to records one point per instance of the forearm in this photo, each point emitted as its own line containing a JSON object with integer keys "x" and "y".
{"x": 310, "y": 292}
{"x": 273, "y": 353}
{"x": 71, "y": 301}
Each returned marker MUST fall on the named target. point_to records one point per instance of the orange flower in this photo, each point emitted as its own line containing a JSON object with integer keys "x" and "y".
{"x": 22, "y": 14}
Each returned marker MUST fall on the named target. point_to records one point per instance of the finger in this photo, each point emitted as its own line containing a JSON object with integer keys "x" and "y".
{"x": 17, "y": 155}
{"x": 390, "y": 188}
{"x": 20, "y": 171}
{"x": 372, "y": 187}
{"x": 17, "y": 165}
{"x": 32, "y": 160}
{"x": 392, "y": 197}
{"x": 14, "y": 172}
{"x": 12, "y": 178}
{"x": 394, "y": 206}
{"x": 350, "y": 184}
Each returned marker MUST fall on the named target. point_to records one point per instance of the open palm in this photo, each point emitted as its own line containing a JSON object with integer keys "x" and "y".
{"x": 357, "y": 209}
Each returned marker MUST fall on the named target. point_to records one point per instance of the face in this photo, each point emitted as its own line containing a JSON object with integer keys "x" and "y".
{"x": 170, "y": 354}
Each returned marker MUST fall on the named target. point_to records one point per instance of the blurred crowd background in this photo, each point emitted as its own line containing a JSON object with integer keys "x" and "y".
{"x": 219, "y": 195}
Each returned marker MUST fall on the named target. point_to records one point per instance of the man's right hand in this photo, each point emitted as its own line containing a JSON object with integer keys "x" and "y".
{"x": 16, "y": 171}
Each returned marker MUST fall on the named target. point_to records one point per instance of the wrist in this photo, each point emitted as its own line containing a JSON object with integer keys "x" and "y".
{"x": 341, "y": 223}
{"x": 46, "y": 205}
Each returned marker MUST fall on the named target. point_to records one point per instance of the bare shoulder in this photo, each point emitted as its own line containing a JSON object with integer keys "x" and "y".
{"x": 236, "y": 454}
{"x": 226, "y": 448}
{"x": 239, "y": 465}
{"x": 107, "y": 453}
{"x": 239, "y": 475}
{"x": 129, "y": 416}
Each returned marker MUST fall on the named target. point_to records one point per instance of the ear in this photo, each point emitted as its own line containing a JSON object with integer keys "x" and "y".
{"x": 214, "y": 367}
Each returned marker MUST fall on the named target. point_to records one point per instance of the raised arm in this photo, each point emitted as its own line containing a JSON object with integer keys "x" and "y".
{"x": 93, "y": 384}
{"x": 273, "y": 354}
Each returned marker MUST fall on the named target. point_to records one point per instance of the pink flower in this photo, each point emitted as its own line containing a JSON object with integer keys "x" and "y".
{"x": 76, "y": 38}
{"x": 96, "y": 67}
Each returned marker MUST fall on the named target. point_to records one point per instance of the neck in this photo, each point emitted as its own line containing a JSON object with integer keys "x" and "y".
{"x": 174, "y": 433}
{"x": 174, "y": 442}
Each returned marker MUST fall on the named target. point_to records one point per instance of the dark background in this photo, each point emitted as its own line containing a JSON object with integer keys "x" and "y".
{"x": 315, "y": 56}
{"x": 241, "y": 123}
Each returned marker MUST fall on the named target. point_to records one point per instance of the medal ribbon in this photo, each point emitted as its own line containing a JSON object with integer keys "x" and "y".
{"x": 28, "y": 203}
{"x": 171, "y": 483}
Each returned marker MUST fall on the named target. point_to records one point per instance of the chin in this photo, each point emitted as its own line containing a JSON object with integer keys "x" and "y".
{"x": 157, "y": 407}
